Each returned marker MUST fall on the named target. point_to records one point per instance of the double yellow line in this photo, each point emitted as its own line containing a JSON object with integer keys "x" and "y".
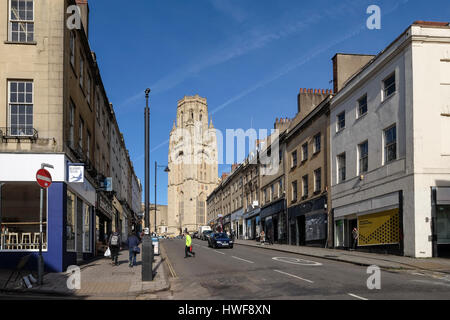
{"x": 169, "y": 264}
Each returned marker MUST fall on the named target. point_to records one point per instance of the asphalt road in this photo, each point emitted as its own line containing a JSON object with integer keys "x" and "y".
{"x": 256, "y": 273}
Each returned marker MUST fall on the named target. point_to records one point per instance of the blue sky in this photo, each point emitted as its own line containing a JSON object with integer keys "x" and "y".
{"x": 247, "y": 57}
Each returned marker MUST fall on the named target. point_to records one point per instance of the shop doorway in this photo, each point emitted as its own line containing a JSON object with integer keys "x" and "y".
{"x": 275, "y": 229}
{"x": 301, "y": 222}
{"x": 353, "y": 223}
{"x": 293, "y": 233}
{"x": 79, "y": 230}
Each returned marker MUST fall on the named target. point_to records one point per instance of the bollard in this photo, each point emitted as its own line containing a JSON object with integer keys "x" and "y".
{"x": 147, "y": 258}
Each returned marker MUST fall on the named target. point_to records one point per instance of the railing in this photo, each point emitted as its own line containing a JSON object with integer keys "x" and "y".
{"x": 19, "y": 133}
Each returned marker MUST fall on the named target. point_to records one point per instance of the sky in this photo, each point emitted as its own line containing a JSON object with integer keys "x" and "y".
{"x": 249, "y": 58}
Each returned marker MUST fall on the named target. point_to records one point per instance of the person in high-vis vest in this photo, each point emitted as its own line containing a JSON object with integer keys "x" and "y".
{"x": 188, "y": 249}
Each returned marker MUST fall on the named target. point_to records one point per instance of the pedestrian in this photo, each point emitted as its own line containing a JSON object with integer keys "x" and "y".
{"x": 355, "y": 235}
{"x": 133, "y": 249}
{"x": 114, "y": 246}
{"x": 188, "y": 249}
{"x": 262, "y": 237}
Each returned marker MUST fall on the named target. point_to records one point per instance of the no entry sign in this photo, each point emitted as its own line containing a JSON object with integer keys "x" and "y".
{"x": 43, "y": 178}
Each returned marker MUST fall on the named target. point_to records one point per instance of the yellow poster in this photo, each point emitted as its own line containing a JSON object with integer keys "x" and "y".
{"x": 379, "y": 228}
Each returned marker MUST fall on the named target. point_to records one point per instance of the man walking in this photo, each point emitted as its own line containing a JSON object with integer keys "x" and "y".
{"x": 133, "y": 249}
{"x": 355, "y": 235}
{"x": 114, "y": 245}
{"x": 188, "y": 249}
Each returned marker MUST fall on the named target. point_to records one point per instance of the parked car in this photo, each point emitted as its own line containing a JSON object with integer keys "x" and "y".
{"x": 205, "y": 235}
{"x": 195, "y": 235}
{"x": 219, "y": 240}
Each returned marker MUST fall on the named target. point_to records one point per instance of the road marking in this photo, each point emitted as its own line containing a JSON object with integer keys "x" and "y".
{"x": 291, "y": 275}
{"x": 242, "y": 259}
{"x": 218, "y": 252}
{"x": 297, "y": 261}
{"x": 357, "y": 297}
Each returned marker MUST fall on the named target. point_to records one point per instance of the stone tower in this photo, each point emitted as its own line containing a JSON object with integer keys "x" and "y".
{"x": 193, "y": 164}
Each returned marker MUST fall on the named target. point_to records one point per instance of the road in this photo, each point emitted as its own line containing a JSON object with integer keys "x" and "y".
{"x": 256, "y": 273}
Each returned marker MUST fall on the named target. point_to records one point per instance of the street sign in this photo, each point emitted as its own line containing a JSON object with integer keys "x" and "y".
{"x": 43, "y": 178}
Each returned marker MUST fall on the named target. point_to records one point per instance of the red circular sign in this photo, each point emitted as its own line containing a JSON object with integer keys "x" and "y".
{"x": 43, "y": 178}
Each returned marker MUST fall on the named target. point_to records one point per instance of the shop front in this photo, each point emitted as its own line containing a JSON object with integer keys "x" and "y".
{"x": 237, "y": 223}
{"x": 273, "y": 220}
{"x": 105, "y": 222}
{"x": 308, "y": 223}
{"x": 441, "y": 229}
{"x": 227, "y": 224}
{"x": 378, "y": 222}
{"x": 252, "y": 224}
{"x": 68, "y": 214}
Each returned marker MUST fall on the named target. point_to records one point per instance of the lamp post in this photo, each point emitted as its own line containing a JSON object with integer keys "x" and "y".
{"x": 147, "y": 246}
{"x": 156, "y": 175}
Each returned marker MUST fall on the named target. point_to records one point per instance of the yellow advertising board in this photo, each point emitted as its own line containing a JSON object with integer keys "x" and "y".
{"x": 379, "y": 228}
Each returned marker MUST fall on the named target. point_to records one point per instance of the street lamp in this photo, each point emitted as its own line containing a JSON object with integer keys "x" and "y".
{"x": 147, "y": 246}
{"x": 156, "y": 175}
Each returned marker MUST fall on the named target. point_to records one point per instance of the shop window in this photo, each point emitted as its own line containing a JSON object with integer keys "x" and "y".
{"x": 86, "y": 228}
{"x": 70, "y": 222}
{"x": 20, "y": 215}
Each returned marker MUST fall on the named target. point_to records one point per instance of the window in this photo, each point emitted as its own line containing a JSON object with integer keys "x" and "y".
{"x": 70, "y": 222}
{"x": 88, "y": 144}
{"x": 362, "y": 106}
{"x": 341, "y": 121}
{"x": 88, "y": 89}
{"x": 21, "y": 21}
{"x": 390, "y": 144}
{"x": 317, "y": 140}
{"x": 305, "y": 186}
{"x": 272, "y": 192}
{"x": 80, "y": 134}
{"x": 280, "y": 155}
{"x": 97, "y": 106}
{"x": 389, "y": 86}
{"x": 363, "y": 150}
{"x": 318, "y": 180}
{"x": 294, "y": 191}
{"x": 86, "y": 228}
{"x": 341, "y": 167}
{"x": 81, "y": 71}
{"x": 280, "y": 188}
{"x": 20, "y": 108}
{"x": 72, "y": 49}
{"x": 305, "y": 152}
{"x": 71, "y": 124}
{"x": 294, "y": 159}
{"x": 20, "y": 215}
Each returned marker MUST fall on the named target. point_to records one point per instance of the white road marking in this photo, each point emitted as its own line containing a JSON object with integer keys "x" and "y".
{"x": 357, "y": 297}
{"x": 291, "y": 275}
{"x": 242, "y": 259}
{"x": 218, "y": 252}
{"x": 297, "y": 261}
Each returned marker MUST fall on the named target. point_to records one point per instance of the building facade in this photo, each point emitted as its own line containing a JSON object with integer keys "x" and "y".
{"x": 193, "y": 165}
{"x": 389, "y": 147}
{"x": 53, "y": 98}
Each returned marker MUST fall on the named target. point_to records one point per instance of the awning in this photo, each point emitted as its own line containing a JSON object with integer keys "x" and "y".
{"x": 237, "y": 215}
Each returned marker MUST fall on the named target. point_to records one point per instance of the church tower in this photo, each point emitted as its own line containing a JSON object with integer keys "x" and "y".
{"x": 193, "y": 164}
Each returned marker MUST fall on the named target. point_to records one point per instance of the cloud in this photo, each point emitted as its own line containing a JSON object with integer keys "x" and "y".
{"x": 229, "y": 9}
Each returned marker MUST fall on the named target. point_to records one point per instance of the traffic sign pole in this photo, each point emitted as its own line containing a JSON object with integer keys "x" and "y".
{"x": 44, "y": 179}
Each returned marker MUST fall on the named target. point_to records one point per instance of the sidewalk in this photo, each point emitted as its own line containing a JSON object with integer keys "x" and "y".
{"x": 99, "y": 279}
{"x": 360, "y": 258}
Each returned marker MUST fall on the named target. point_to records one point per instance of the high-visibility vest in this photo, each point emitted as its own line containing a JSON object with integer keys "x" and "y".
{"x": 188, "y": 241}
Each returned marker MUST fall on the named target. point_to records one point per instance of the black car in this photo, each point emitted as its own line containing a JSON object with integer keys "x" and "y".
{"x": 195, "y": 235}
{"x": 205, "y": 234}
{"x": 219, "y": 240}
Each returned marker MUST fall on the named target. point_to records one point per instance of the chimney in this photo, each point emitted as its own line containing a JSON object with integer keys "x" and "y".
{"x": 84, "y": 8}
{"x": 345, "y": 66}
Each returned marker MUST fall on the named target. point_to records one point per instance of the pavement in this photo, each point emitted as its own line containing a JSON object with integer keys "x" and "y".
{"x": 99, "y": 280}
{"x": 252, "y": 272}
{"x": 384, "y": 261}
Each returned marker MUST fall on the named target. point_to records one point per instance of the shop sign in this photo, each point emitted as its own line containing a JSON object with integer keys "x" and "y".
{"x": 380, "y": 228}
{"x": 76, "y": 174}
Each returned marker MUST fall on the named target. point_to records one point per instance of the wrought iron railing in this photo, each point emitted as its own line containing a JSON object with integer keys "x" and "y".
{"x": 19, "y": 132}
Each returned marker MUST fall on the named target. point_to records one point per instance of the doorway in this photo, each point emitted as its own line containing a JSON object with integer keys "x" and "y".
{"x": 352, "y": 223}
{"x": 301, "y": 221}
{"x": 275, "y": 229}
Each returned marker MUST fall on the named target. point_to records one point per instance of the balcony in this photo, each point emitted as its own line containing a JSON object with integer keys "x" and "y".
{"x": 18, "y": 133}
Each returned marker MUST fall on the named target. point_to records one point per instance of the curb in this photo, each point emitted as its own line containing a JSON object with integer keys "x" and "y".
{"x": 329, "y": 258}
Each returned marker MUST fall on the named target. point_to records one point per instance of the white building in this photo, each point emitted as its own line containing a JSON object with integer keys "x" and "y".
{"x": 390, "y": 151}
